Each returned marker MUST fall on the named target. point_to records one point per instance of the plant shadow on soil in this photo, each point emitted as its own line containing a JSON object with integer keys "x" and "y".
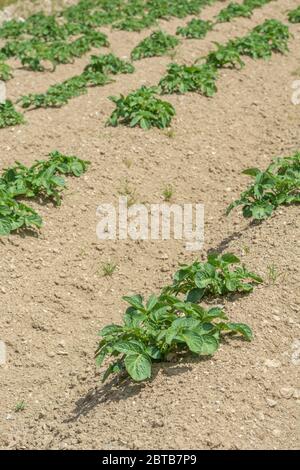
{"x": 223, "y": 245}
{"x": 118, "y": 389}
{"x": 26, "y": 232}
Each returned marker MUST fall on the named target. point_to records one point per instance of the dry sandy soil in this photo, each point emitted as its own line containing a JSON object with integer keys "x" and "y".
{"x": 53, "y": 298}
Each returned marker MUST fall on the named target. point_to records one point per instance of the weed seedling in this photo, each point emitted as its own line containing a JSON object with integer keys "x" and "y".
{"x": 272, "y": 273}
{"x": 246, "y": 249}
{"x": 296, "y": 72}
{"x": 20, "y": 406}
{"x": 168, "y": 192}
{"x": 129, "y": 192}
{"x": 128, "y": 162}
{"x": 108, "y": 269}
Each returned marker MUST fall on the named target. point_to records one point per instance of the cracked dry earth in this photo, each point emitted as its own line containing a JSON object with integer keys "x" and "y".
{"x": 53, "y": 299}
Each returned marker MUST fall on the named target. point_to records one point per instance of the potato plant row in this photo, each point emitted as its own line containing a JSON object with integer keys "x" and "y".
{"x": 128, "y": 15}
{"x": 144, "y": 109}
{"x": 96, "y": 73}
{"x": 42, "y": 39}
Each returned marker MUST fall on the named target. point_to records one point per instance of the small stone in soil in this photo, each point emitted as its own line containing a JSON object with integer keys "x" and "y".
{"x": 287, "y": 392}
{"x": 271, "y": 402}
{"x": 272, "y": 363}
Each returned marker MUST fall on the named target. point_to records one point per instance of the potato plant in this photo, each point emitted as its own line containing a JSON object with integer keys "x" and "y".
{"x": 185, "y": 78}
{"x": 42, "y": 180}
{"x": 195, "y": 29}
{"x": 15, "y": 215}
{"x": 278, "y": 184}
{"x": 11, "y": 29}
{"x": 234, "y": 10}
{"x": 224, "y": 56}
{"x": 164, "y": 325}
{"x": 167, "y": 324}
{"x": 141, "y": 108}
{"x": 215, "y": 277}
{"x": 5, "y": 72}
{"x": 135, "y": 23}
{"x": 157, "y": 44}
{"x": 177, "y": 8}
{"x": 9, "y": 116}
{"x": 274, "y": 33}
{"x": 109, "y": 63}
{"x": 294, "y": 15}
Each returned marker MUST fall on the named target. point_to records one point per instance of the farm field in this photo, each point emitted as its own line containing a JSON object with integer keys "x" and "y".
{"x": 60, "y": 285}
